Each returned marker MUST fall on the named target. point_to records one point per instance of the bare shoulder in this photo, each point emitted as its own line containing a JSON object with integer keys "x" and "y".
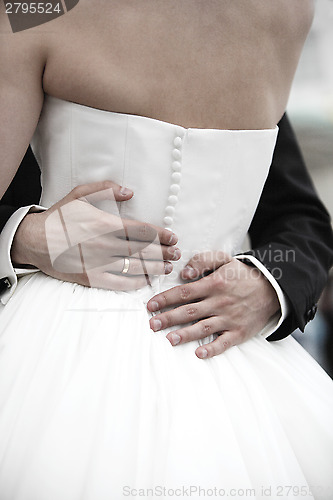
{"x": 302, "y": 13}
{"x": 294, "y": 17}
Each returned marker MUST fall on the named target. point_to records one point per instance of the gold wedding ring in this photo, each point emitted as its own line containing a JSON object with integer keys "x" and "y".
{"x": 126, "y": 265}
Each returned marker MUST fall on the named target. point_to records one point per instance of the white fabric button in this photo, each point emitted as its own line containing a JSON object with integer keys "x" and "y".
{"x": 170, "y": 210}
{"x": 172, "y": 200}
{"x": 176, "y": 176}
{"x": 174, "y": 188}
{"x": 168, "y": 220}
{"x": 176, "y": 154}
{"x": 176, "y": 166}
{"x": 177, "y": 142}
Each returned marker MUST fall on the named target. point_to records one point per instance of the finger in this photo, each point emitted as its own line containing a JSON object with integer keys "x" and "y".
{"x": 180, "y": 315}
{"x": 106, "y": 249}
{"x": 110, "y": 281}
{"x": 147, "y": 252}
{"x": 223, "y": 342}
{"x": 162, "y": 252}
{"x": 99, "y": 191}
{"x": 199, "y": 330}
{"x": 137, "y": 266}
{"x": 142, "y": 231}
{"x": 204, "y": 262}
{"x": 181, "y": 294}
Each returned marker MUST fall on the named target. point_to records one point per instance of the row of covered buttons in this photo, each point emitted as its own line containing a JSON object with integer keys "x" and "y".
{"x": 175, "y": 180}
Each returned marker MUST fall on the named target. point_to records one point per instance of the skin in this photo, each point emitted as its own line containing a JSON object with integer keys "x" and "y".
{"x": 104, "y": 240}
{"x": 196, "y": 63}
{"x": 216, "y": 302}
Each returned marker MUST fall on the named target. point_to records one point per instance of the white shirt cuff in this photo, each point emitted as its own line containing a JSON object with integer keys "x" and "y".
{"x": 7, "y": 270}
{"x": 276, "y": 320}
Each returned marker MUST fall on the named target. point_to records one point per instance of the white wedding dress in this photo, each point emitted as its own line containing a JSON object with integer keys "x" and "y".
{"x": 96, "y": 406}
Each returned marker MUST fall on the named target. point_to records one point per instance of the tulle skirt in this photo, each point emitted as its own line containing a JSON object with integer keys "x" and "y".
{"x": 96, "y": 406}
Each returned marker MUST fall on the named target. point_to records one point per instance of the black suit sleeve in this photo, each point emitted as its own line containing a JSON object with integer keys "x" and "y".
{"x": 291, "y": 233}
{"x": 6, "y": 211}
{"x": 24, "y": 190}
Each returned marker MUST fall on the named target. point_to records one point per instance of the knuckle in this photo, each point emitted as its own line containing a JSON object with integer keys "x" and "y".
{"x": 226, "y": 344}
{"x": 185, "y": 335}
{"x": 206, "y": 329}
{"x": 228, "y": 301}
{"x": 166, "y": 320}
{"x": 165, "y": 236}
{"x": 223, "y": 343}
{"x": 191, "y": 311}
{"x": 144, "y": 230}
{"x": 223, "y": 302}
{"x": 162, "y": 299}
{"x": 219, "y": 281}
{"x": 185, "y": 292}
{"x": 79, "y": 191}
{"x": 214, "y": 349}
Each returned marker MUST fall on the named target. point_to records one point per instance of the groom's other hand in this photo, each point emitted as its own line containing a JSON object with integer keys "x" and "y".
{"x": 76, "y": 241}
{"x": 234, "y": 301}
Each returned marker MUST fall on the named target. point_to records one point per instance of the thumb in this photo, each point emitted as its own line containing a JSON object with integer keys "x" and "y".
{"x": 94, "y": 193}
{"x": 204, "y": 262}
{"x": 100, "y": 191}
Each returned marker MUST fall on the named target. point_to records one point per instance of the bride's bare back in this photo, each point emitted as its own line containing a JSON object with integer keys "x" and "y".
{"x": 203, "y": 63}
{"x": 197, "y": 63}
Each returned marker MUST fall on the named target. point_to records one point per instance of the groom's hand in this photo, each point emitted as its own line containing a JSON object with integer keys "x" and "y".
{"x": 234, "y": 301}
{"x": 76, "y": 241}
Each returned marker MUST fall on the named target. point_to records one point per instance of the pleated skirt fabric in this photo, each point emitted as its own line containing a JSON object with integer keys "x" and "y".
{"x": 96, "y": 406}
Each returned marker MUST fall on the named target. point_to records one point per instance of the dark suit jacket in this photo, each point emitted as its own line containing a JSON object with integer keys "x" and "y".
{"x": 290, "y": 233}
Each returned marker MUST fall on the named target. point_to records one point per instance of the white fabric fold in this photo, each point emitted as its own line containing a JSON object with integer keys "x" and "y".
{"x": 278, "y": 318}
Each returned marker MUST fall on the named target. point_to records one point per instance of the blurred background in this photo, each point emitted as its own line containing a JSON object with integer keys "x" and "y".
{"x": 310, "y": 109}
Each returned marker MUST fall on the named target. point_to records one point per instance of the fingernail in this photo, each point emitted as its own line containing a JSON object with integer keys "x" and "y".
{"x": 203, "y": 353}
{"x": 156, "y": 325}
{"x": 154, "y": 306}
{"x": 124, "y": 191}
{"x": 191, "y": 273}
{"x": 175, "y": 339}
{"x": 176, "y": 254}
{"x": 168, "y": 267}
{"x": 173, "y": 239}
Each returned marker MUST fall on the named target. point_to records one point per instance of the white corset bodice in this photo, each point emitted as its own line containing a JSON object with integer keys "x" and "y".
{"x": 93, "y": 403}
{"x": 204, "y": 184}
